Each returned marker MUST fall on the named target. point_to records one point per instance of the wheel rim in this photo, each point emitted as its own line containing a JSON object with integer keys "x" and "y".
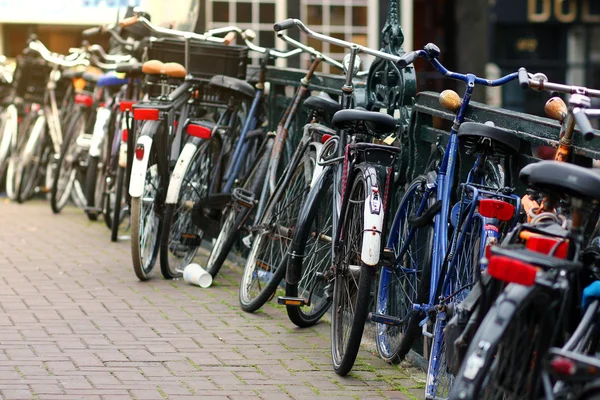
{"x": 226, "y": 227}
{"x": 274, "y": 238}
{"x": 184, "y": 235}
{"x": 149, "y": 219}
{"x": 347, "y": 275}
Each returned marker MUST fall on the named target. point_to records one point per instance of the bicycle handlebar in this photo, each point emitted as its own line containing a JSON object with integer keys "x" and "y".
{"x": 71, "y": 60}
{"x": 540, "y": 82}
{"x": 583, "y": 122}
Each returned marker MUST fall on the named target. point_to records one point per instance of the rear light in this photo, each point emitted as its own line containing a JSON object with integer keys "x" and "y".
{"x": 510, "y": 270}
{"x": 492, "y": 208}
{"x": 126, "y": 105}
{"x": 325, "y": 138}
{"x": 124, "y": 135}
{"x": 199, "y": 131}
{"x": 563, "y": 366}
{"x": 145, "y": 114}
{"x": 139, "y": 151}
{"x": 84, "y": 100}
{"x": 545, "y": 245}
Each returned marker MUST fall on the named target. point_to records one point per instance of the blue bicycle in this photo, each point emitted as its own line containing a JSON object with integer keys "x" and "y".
{"x": 441, "y": 230}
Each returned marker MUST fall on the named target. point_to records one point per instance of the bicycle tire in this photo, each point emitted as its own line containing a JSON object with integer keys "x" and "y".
{"x": 59, "y": 198}
{"x": 145, "y": 213}
{"x": 345, "y": 350}
{"x": 91, "y": 187}
{"x": 521, "y": 316}
{"x": 175, "y": 254}
{"x": 234, "y": 219}
{"x": 394, "y": 343}
{"x": 27, "y": 173}
{"x": 117, "y": 213}
{"x": 8, "y": 137}
{"x": 281, "y": 213}
{"x": 311, "y": 259}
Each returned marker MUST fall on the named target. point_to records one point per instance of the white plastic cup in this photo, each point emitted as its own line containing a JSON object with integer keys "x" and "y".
{"x": 196, "y": 275}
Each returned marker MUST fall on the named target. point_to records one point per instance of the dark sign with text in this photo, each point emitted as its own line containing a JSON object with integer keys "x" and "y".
{"x": 547, "y": 11}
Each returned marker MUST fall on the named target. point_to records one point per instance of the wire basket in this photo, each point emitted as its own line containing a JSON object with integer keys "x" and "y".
{"x": 206, "y": 59}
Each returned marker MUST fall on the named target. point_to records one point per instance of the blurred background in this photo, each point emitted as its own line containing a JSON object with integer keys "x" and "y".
{"x": 487, "y": 37}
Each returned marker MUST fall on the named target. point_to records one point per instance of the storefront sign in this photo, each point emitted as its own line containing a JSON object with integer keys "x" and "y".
{"x": 547, "y": 11}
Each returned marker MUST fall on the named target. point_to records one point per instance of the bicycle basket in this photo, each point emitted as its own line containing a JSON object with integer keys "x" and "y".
{"x": 205, "y": 60}
{"x": 30, "y": 78}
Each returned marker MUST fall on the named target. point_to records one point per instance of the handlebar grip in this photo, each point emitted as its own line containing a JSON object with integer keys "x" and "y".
{"x": 523, "y": 78}
{"x": 283, "y": 25}
{"x": 229, "y": 38}
{"x": 407, "y": 59}
{"x": 583, "y": 123}
{"x": 128, "y": 22}
{"x": 92, "y": 31}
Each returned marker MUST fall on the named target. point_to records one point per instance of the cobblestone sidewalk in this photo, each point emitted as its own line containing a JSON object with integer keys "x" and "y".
{"x": 75, "y": 323}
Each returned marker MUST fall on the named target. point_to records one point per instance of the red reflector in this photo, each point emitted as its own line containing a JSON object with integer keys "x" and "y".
{"x": 510, "y": 270}
{"x": 325, "y": 138}
{"x": 102, "y": 104}
{"x": 145, "y": 114}
{"x": 543, "y": 244}
{"x": 563, "y": 366}
{"x": 492, "y": 208}
{"x": 126, "y": 105}
{"x": 124, "y": 135}
{"x": 139, "y": 151}
{"x": 84, "y": 100}
{"x": 199, "y": 131}
{"x": 488, "y": 251}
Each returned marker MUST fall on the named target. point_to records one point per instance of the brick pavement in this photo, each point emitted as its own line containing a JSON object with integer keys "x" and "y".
{"x": 75, "y": 323}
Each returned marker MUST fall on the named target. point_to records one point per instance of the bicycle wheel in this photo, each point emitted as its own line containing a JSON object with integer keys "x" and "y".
{"x": 146, "y": 221}
{"x": 181, "y": 238}
{"x": 29, "y": 164}
{"x": 439, "y": 377}
{"x": 406, "y": 282}
{"x": 94, "y": 187}
{"x": 313, "y": 262}
{"x": 352, "y": 284}
{"x": 505, "y": 356}
{"x": 119, "y": 205}
{"x": 266, "y": 263}
{"x": 235, "y": 217}
{"x": 8, "y": 138}
{"x": 65, "y": 173}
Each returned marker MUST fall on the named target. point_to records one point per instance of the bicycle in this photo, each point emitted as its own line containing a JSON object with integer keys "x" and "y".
{"x": 359, "y": 174}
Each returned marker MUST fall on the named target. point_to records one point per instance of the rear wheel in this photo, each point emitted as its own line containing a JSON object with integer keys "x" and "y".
{"x": 314, "y": 258}
{"x": 66, "y": 171}
{"x": 181, "y": 238}
{"x": 30, "y": 161}
{"x": 352, "y": 284}
{"x": 119, "y": 205}
{"x": 94, "y": 187}
{"x": 267, "y": 261}
{"x": 406, "y": 282}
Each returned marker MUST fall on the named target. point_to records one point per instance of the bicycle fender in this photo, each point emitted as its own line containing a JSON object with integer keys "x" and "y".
{"x": 296, "y": 251}
{"x": 178, "y": 173}
{"x": 318, "y": 147}
{"x": 9, "y": 131}
{"x": 99, "y": 133}
{"x": 139, "y": 167}
{"x": 373, "y": 217}
{"x": 36, "y": 132}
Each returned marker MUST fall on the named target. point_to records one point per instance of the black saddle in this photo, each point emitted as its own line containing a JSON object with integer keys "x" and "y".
{"x": 503, "y": 142}
{"x": 377, "y": 122}
{"x": 323, "y": 103}
{"x": 91, "y": 78}
{"x": 559, "y": 178}
{"x": 71, "y": 74}
{"x": 133, "y": 69}
{"x": 234, "y": 84}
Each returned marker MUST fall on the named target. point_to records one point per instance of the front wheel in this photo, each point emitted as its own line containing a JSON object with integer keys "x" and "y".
{"x": 94, "y": 187}
{"x": 116, "y": 207}
{"x": 352, "y": 284}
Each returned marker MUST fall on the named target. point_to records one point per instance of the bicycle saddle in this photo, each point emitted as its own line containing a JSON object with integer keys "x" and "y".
{"x": 503, "y": 142}
{"x": 156, "y": 67}
{"x": 559, "y": 178}
{"x": 72, "y": 74}
{"x": 111, "y": 79}
{"x": 233, "y": 84}
{"x": 91, "y": 77}
{"x": 130, "y": 68}
{"x": 375, "y": 121}
{"x": 323, "y": 102}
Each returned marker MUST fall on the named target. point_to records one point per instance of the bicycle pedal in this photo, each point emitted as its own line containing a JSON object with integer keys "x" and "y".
{"x": 385, "y": 319}
{"x": 292, "y": 301}
{"x": 387, "y": 257}
{"x": 190, "y": 239}
{"x": 243, "y": 197}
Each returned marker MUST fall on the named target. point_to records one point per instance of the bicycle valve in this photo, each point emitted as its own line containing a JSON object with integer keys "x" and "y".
{"x": 450, "y": 100}
{"x": 556, "y": 108}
